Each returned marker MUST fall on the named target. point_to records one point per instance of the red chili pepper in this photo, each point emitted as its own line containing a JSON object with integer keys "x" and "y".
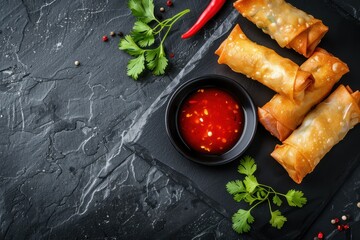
{"x": 209, "y": 12}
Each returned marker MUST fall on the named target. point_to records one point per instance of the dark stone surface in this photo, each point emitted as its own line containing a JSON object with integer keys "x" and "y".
{"x": 350, "y": 9}
{"x": 83, "y": 150}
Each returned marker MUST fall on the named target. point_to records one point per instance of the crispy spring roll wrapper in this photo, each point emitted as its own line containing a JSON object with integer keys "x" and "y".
{"x": 289, "y": 26}
{"x": 321, "y": 129}
{"x": 280, "y": 116}
{"x": 264, "y": 65}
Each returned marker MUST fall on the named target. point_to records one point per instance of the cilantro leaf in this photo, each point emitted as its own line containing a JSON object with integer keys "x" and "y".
{"x": 143, "y": 10}
{"x": 277, "y": 220}
{"x": 250, "y": 183}
{"x": 251, "y": 191}
{"x": 234, "y": 187}
{"x": 249, "y": 198}
{"x": 247, "y": 166}
{"x": 136, "y": 66}
{"x": 162, "y": 63}
{"x": 277, "y": 200}
{"x": 240, "y": 196}
{"x": 141, "y": 27}
{"x": 295, "y": 198}
{"x": 156, "y": 60}
{"x": 143, "y": 34}
{"x": 241, "y": 221}
{"x": 262, "y": 192}
{"x": 128, "y": 45}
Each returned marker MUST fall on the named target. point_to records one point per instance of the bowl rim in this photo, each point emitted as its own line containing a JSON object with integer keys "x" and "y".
{"x": 242, "y": 97}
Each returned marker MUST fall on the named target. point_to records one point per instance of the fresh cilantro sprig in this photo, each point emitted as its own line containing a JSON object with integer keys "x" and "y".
{"x": 143, "y": 36}
{"x": 255, "y": 193}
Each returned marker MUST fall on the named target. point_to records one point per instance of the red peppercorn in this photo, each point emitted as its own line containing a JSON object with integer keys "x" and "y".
{"x": 105, "y": 38}
{"x": 169, "y": 3}
{"x": 340, "y": 227}
{"x": 171, "y": 55}
{"x": 346, "y": 226}
{"x": 320, "y": 235}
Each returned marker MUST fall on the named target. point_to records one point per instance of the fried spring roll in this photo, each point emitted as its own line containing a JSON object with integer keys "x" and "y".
{"x": 321, "y": 129}
{"x": 280, "y": 116}
{"x": 264, "y": 65}
{"x": 289, "y": 26}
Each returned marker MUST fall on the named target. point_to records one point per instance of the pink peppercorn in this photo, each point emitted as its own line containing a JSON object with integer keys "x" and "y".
{"x": 105, "y": 38}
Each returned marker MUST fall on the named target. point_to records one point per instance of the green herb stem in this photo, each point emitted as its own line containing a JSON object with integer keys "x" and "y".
{"x": 253, "y": 192}
{"x": 143, "y": 36}
{"x": 169, "y": 22}
{"x": 278, "y": 193}
{"x": 269, "y": 203}
{"x": 281, "y": 194}
{"x": 260, "y": 201}
{"x": 266, "y": 186}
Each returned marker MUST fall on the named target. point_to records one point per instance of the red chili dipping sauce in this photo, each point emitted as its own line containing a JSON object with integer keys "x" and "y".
{"x": 210, "y": 121}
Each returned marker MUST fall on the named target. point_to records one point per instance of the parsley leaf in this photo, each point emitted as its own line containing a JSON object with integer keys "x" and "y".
{"x": 142, "y": 9}
{"x": 250, "y": 183}
{"x": 234, "y": 187}
{"x": 241, "y": 221}
{"x": 247, "y": 166}
{"x": 277, "y": 200}
{"x": 250, "y": 199}
{"x": 254, "y": 193}
{"x": 136, "y": 66}
{"x": 240, "y": 196}
{"x": 156, "y": 60}
{"x": 263, "y": 192}
{"x": 237, "y": 188}
{"x": 128, "y": 45}
{"x": 143, "y": 36}
{"x": 277, "y": 220}
{"x": 295, "y": 198}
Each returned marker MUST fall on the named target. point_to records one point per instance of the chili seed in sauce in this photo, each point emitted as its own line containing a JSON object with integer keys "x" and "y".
{"x": 210, "y": 121}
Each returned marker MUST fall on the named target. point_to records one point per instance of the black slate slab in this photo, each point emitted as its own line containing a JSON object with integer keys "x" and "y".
{"x": 319, "y": 186}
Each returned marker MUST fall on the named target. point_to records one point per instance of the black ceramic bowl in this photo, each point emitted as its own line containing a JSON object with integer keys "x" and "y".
{"x": 237, "y": 92}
